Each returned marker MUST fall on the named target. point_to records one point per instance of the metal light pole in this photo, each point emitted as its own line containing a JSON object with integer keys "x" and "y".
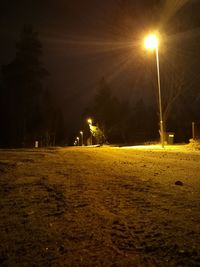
{"x": 151, "y": 42}
{"x": 77, "y": 140}
{"x": 90, "y": 126}
{"x": 160, "y": 99}
{"x": 81, "y": 133}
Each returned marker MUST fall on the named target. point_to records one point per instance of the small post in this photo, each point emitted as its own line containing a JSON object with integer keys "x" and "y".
{"x": 36, "y": 144}
{"x": 193, "y": 130}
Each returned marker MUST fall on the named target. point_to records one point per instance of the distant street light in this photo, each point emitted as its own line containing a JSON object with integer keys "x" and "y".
{"x": 81, "y": 133}
{"x": 89, "y": 121}
{"x": 90, "y": 126}
{"x": 77, "y": 140}
{"x": 151, "y": 43}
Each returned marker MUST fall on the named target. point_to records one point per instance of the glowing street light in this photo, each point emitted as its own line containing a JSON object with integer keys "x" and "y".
{"x": 81, "y": 133}
{"x": 152, "y": 43}
{"x": 90, "y": 126}
{"x": 89, "y": 121}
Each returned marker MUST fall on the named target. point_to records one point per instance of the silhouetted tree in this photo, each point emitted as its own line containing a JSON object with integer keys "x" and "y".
{"x": 22, "y": 91}
{"x": 107, "y": 112}
{"x": 119, "y": 121}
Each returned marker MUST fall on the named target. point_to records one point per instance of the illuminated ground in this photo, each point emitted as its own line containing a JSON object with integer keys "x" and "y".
{"x": 100, "y": 207}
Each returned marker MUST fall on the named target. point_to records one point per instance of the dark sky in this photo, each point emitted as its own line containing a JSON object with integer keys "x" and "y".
{"x": 84, "y": 40}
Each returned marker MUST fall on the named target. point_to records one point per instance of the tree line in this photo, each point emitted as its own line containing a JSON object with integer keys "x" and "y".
{"x": 123, "y": 122}
{"x": 28, "y": 110}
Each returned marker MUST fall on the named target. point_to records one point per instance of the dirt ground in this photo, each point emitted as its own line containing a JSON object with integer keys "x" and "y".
{"x": 102, "y": 206}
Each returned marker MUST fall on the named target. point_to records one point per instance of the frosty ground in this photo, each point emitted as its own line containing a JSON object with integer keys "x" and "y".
{"x": 100, "y": 206}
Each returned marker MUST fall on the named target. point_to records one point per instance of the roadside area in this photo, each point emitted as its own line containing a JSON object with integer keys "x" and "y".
{"x": 100, "y": 206}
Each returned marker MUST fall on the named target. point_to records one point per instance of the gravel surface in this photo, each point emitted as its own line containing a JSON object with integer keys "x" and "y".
{"x": 100, "y": 206}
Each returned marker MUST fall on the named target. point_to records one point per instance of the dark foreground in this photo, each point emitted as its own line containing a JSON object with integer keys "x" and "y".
{"x": 99, "y": 207}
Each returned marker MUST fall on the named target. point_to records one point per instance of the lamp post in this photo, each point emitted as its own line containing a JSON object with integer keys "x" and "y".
{"x": 77, "y": 140}
{"x": 151, "y": 43}
{"x": 90, "y": 126}
{"x": 81, "y": 133}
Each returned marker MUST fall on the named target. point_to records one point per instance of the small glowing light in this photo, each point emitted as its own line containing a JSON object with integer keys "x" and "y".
{"x": 89, "y": 121}
{"x": 77, "y": 138}
{"x": 151, "y": 42}
{"x": 81, "y": 132}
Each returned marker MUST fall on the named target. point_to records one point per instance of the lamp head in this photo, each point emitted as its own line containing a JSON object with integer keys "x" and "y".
{"x": 89, "y": 121}
{"x": 151, "y": 42}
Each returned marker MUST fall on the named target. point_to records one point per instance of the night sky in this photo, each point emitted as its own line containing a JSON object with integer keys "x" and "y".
{"x": 84, "y": 41}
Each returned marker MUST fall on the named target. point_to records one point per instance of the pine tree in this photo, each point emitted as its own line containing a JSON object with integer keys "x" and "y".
{"x": 22, "y": 90}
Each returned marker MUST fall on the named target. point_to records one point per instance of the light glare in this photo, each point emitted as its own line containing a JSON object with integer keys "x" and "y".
{"x": 89, "y": 121}
{"x": 151, "y": 42}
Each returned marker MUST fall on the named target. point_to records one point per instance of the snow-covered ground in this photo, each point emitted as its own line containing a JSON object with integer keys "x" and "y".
{"x": 100, "y": 206}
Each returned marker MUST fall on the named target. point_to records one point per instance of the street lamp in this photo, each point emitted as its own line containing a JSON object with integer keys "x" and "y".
{"x": 77, "y": 140}
{"x": 90, "y": 126}
{"x": 89, "y": 121}
{"x": 151, "y": 43}
{"x": 81, "y": 133}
